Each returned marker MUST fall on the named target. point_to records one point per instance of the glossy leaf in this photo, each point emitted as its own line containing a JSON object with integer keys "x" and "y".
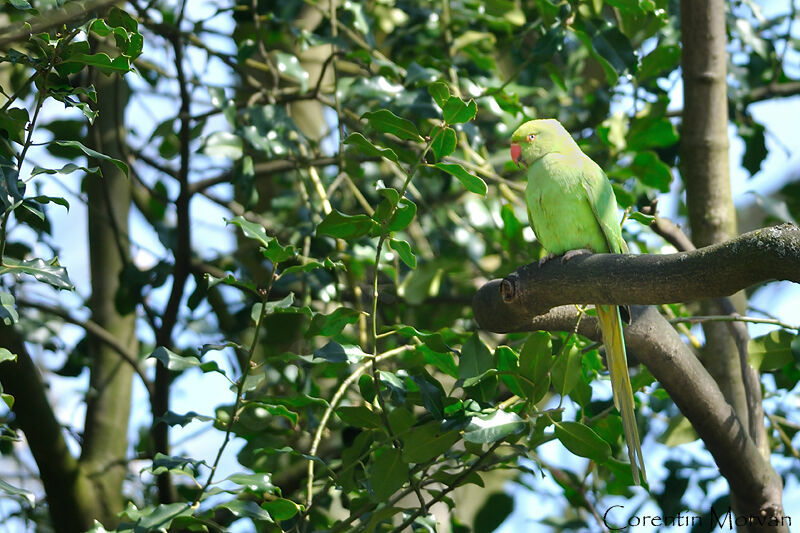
{"x": 281, "y": 509}
{"x": 340, "y": 225}
{"x": 444, "y": 141}
{"x": 440, "y": 93}
{"x": 8, "y": 310}
{"x": 457, "y": 111}
{"x": 94, "y": 154}
{"x": 367, "y": 148}
{"x": 493, "y": 427}
{"x": 771, "y": 351}
{"x": 385, "y": 121}
{"x": 470, "y": 182}
{"x": 583, "y": 441}
{"x": 429, "y": 441}
{"x": 403, "y": 250}
{"x": 50, "y": 273}
{"x": 333, "y": 352}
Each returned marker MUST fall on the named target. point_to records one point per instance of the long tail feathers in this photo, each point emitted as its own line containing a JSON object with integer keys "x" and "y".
{"x": 611, "y": 327}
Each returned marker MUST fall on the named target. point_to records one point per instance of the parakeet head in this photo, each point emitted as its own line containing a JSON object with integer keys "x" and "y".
{"x": 537, "y": 138}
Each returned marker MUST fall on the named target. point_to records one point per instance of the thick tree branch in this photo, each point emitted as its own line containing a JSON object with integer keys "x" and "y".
{"x": 658, "y": 346}
{"x": 719, "y": 270}
{"x": 71, "y": 12}
{"x": 74, "y": 496}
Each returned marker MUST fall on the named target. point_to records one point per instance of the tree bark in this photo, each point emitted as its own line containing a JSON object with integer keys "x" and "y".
{"x": 712, "y": 217}
{"x": 72, "y": 499}
{"x": 705, "y": 172}
{"x": 104, "y": 453}
{"x": 652, "y": 340}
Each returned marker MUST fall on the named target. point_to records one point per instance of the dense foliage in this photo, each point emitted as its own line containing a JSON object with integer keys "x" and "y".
{"x": 318, "y": 190}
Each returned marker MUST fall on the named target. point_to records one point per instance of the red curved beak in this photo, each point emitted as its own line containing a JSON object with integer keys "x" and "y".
{"x": 516, "y": 151}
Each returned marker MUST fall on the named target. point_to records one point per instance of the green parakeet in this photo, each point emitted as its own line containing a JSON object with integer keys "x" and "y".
{"x": 572, "y": 206}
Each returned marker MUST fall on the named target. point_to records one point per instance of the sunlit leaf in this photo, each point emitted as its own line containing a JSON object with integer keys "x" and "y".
{"x": 337, "y": 224}
{"x": 95, "y": 154}
{"x": 470, "y": 182}
{"x": 369, "y": 149}
{"x": 51, "y": 273}
{"x": 403, "y": 250}
{"x": 583, "y": 441}
{"x": 387, "y": 122}
{"x": 493, "y": 427}
{"x": 456, "y": 110}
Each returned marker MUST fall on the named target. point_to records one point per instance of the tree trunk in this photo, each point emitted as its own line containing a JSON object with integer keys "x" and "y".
{"x": 705, "y": 172}
{"x": 104, "y": 454}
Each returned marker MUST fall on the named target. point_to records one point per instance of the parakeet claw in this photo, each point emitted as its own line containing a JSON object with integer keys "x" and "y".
{"x": 545, "y": 259}
{"x": 574, "y": 253}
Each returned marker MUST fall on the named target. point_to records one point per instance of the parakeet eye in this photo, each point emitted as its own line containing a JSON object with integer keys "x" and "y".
{"x": 531, "y": 137}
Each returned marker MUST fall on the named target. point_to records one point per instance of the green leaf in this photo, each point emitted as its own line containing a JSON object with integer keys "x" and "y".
{"x": 246, "y": 509}
{"x": 535, "y": 362}
{"x": 582, "y": 441}
{"x": 11, "y": 490}
{"x": 651, "y": 132}
{"x": 281, "y": 509}
{"x": 470, "y": 182}
{"x": 660, "y": 61}
{"x": 258, "y": 482}
{"x": 755, "y": 146}
{"x": 313, "y": 265}
{"x": 369, "y": 149}
{"x": 251, "y": 230}
{"x": 771, "y": 351}
{"x": 223, "y": 144}
{"x": 567, "y": 369}
{"x": 679, "y": 431}
{"x": 175, "y": 419}
{"x": 651, "y": 171}
{"x": 434, "y": 341}
{"x": 388, "y": 473}
{"x": 333, "y": 323}
{"x": 432, "y": 393}
{"x": 274, "y": 410}
{"x": 456, "y": 111}
{"x": 494, "y": 511}
{"x": 493, "y": 427}
{"x": 51, "y": 199}
{"x": 339, "y": 225}
{"x": 475, "y": 358}
{"x": 176, "y": 465}
{"x": 178, "y": 363}
{"x": 158, "y": 518}
{"x": 102, "y": 62}
{"x": 95, "y": 154}
{"x": 641, "y": 218}
{"x": 403, "y": 250}
{"x": 333, "y": 352}
{"x": 403, "y": 215}
{"x": 289, "y": 66}
{"x": 14, "y": 121}
{"x": 385, "y": 121}
{"x": 440, "y": 93}
{"x": 8, "y": 310}
{"x": 359, "y": 416}
{"x": 6, "y": 355}
{"x": 444, "y": 141}
{"x": 50, "y": 273}
{"x": 21, "y": 4}
{"x": 428, "y": 441}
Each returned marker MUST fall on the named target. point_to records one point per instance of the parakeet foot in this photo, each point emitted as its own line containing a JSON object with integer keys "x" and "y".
{"x": 569, "y": 254}
{"x": 545, "y": 259}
